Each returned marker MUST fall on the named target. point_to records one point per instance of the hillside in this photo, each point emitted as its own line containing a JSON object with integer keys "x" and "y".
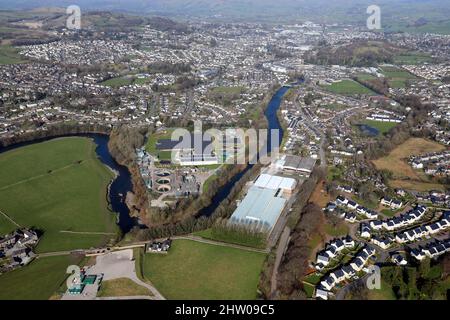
{"x": 363, "y": 53}
{"x": 33, "y": 26}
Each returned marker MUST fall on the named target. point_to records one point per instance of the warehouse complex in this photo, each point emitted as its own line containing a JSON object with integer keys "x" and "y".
{"x": 299, "y": 165}
{"x": 264, "y": 202}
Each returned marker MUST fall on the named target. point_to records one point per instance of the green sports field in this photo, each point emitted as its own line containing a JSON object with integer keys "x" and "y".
{"x": 153, "y": 140}
{"x": 397, "y": 77}
{"x": 194, "y": 270}
{"x": 381, "y": 126}
{"x": 118, "y": 82}
{"x": 58, "y": 187}
{"x": 412, "y": 58}
{"x": 348, "y": 87}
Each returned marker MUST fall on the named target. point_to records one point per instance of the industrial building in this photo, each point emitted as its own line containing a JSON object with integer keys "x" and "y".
{"x": 190, "y": 150}
{"x": 300, "y": 165}
{"x": 264, "y": 202}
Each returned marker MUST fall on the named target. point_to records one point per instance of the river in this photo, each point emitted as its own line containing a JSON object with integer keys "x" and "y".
{"x": 272, "y": 123}
{"x": 122, "y": 183}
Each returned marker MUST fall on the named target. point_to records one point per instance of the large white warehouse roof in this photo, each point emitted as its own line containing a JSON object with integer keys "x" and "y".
{"x": 268, "y": 181}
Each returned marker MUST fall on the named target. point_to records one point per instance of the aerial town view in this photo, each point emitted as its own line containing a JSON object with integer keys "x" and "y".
{"x": 224, "y": 150}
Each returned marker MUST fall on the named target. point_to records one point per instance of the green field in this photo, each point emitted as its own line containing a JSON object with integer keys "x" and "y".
{"x": 397, "y": 77}
{"x": 348, "y": 87}
{"x": 339, "y": 230}
{"x": 118, "y": 82}
{"x": 193, "y": 270}
{"x": 313, "y": 278}
{"x": 334, "y": 173}
{"x": 163, "y": 155}
{"x": 390, "y": 213}
{"x": 58, "y": 185}
{"x": 154, "y": 138}
{"x": 208, "y": 182}
{"x": 6, "y": 226}
{"x": 412, "y": 58}
{"x": 228, "y": 90}
{"x": 37, "y": 281}
{"x": 255, "y": 241}
{"x": 9, "y": 55}
{"x": 440, "y": 26}
{"x": 315, "y": 240}
{"x": 124, "y": 81}
{"x": 365, "y": 77}
{"x": 122, "y": 287}
{"x": 140, "y": 81}
{"x": 309, "y": 289}
{"x": 381, "y": 126}
{"x": 384, "y": 293}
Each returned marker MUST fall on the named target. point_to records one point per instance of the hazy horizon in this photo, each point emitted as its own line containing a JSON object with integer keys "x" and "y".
{"x": 345, "y": 10}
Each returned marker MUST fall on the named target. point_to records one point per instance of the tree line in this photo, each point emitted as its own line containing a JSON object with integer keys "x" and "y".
{"x": 304, "y": 219}
{"x": 53, "y": 131}
{"x": 411, "y": 126}
{"x": 122, "y": 145}
{"x": 248, "y": 235}
{"x": 295, "y": 264}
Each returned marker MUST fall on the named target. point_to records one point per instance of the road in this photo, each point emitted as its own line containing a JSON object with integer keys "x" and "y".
{"x": 88, "y": 232}
{"x": 281, "y": 249}
{"x": 218, "y": 243}
{"x": 103, "y": 251}
{"x": 309, "y": 122}
{"x": 57, "y": 253}
{"x": 285, "y": 236}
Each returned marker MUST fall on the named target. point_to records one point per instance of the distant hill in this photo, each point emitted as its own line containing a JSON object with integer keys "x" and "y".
{"x": 27, "y": 27}
{"x": 250, "y": 8}
{"x": 48, "y": 10}
{"x": 359, "y": 54}
{"x": 54, "y": 18}
{"x": 396, "y": 14}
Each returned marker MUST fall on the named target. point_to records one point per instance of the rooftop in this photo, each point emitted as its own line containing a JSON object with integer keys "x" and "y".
{"x": 260, "y": 205}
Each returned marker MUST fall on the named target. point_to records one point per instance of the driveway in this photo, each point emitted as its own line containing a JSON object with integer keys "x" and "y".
{"x": 115, "y": 265}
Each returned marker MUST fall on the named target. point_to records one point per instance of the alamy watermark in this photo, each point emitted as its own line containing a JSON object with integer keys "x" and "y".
{"x": 374, "y": 20}
{"x": 373, "y": 281}
{"x": 231, "y": 146}
{"x": 74, "y": 277}
{"x": 73, "y": 21}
